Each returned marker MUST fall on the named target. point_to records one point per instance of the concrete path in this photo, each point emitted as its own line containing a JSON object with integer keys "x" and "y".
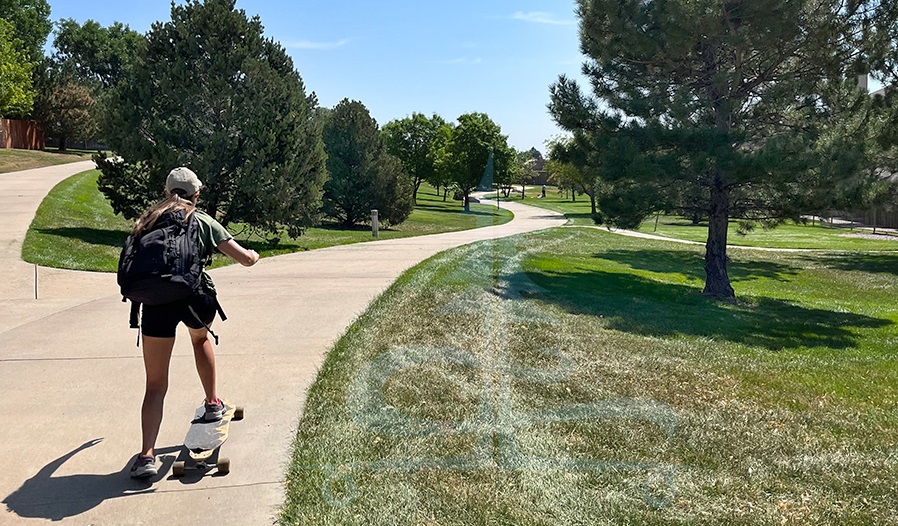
{"x": 643, "y": 235}
{"x": 71, "y": 377}
{"x": 20, "y": 195}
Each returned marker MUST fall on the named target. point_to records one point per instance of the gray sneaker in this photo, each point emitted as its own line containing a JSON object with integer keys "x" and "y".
{"x": 214, "y": 411}
{"x": 144, "y": 467}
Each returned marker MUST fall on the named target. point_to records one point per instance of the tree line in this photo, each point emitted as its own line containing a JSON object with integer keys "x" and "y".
{"x": 207, "y": 89}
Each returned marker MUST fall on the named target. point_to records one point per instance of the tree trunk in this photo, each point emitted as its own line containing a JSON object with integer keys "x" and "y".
{"x": 62, "y": 146}
{"x": 467, "y": 204}
{"x": 592, "y": 202}
{"x": 523, "y": 189}
{"x": 717, "y": 281}
{"x": 445, "y": 193}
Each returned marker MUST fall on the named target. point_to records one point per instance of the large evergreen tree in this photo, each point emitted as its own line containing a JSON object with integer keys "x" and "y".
{"x": 363, "y": 174}
{"x": 747, "y": 100}
{"x": 212, "y": 93}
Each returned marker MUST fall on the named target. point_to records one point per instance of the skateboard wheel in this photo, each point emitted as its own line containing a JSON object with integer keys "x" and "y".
{"x": 224, "y": 466}
{"x": 238, "y": 413}
{"x": 177, "y": 469}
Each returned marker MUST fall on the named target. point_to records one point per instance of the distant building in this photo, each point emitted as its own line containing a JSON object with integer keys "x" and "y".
{"x": 539, "y": 167}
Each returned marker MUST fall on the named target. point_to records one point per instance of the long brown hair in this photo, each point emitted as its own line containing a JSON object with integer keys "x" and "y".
{"x": 173, "y": 203}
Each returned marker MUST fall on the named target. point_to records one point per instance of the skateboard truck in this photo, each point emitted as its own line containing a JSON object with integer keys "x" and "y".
{"x": 204, "y": 439}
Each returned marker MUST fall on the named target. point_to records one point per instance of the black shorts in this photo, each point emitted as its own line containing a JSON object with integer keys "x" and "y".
{"x": 161, "y": 321}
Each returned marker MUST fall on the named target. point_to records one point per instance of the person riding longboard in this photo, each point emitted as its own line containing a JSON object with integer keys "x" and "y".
{"x": 158, "y": 322}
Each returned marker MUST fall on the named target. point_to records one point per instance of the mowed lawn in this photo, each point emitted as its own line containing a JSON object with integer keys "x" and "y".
{"x": 578, "y": 377}
{"x": 12, "y": 160}
{"x": 811, "y": 235}
{"x": 75, "y": 227}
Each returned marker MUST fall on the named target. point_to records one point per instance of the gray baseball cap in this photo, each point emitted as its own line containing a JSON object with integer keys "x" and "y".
{"x": 182, "y": 178}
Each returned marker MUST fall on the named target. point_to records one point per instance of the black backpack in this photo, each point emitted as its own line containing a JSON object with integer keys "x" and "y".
{"x": 163, "y": 264}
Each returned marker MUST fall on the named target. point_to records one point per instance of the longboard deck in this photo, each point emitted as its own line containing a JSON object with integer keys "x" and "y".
{"x": 204, "y": 438}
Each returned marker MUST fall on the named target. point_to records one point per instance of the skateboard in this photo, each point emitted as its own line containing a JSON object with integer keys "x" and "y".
{"x": 204, "y": 439}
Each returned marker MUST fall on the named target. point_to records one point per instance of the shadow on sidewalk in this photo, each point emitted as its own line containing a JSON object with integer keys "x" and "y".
{"x": 56, "y": 498}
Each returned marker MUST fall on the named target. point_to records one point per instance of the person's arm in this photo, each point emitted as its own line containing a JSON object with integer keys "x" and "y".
{"x": 233, "y": 250}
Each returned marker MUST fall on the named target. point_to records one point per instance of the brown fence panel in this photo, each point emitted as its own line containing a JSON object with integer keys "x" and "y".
{"x": 22, "y": 135}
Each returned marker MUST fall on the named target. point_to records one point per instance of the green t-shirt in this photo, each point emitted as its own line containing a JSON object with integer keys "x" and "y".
{"x": 212, "y": 233}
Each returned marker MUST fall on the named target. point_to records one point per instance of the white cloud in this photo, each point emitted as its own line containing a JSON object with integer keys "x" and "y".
{"x": 307, "y": 44}
{"x": 540, "y": 17}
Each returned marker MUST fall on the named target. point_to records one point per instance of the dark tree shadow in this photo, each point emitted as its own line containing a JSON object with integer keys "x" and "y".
{"x": 44, "y": 496}
{"x": 425, "y": 206}
{"x": 642, "y": 306}
{"x": 875, "y": 262}
{"x": 692, "y": 264}
{"x": 94, "y": 236}
{"x": 584, "y": 215}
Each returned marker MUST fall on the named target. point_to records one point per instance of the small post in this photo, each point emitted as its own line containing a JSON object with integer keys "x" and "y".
{"x": 374, "y": 226}
{"x": 35, "y": 281}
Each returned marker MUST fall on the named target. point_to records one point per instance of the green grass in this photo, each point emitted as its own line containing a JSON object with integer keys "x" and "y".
{"x": 75, "y": 228}
{"x": 584, "y": 348}
{"x": 578, "y": 212}
{"x": 14, "y": 160}
{"x": 789, "y": 235}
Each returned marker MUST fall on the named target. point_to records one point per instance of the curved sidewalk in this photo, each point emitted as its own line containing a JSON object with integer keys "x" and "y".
{"x": 20, "y": 195}
{"x": 72, "y": 382}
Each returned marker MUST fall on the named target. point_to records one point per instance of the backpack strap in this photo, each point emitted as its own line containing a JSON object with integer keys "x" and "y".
{"x": 197, "y": 317}
{"x": 135, "y": 315}
{"x": 221, "y": 313}
{"x": 134, "y": 318}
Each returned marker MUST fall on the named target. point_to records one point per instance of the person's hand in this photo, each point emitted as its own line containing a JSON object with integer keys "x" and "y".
{"x": 253, "y": 257}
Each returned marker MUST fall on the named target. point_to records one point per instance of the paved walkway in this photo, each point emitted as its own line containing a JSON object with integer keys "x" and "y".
{"x": 71, "y": 377}
{"x": 643, "y": 235}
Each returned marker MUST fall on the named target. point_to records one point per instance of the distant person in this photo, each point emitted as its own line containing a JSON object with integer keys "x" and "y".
{"x": 159, "y": 322}
{"x": 543, "y": 194}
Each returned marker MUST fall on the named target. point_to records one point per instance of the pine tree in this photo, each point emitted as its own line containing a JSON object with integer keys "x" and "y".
{"x": 363, "y": 175}
{"x": 212, "y": 93}
{"x": 747, "y": 100}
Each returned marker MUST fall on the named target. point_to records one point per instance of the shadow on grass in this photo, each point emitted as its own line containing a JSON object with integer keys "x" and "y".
{"x": 441, "y": 208}
{"x": 584, "y": 215}
{"x": 692, "y": 264}
{"x": 642, "y": 306}
{"x": 94, "y": 236}
{"x": 880, "y": 263}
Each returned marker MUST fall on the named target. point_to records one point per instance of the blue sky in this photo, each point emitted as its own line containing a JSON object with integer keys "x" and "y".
{"x": 402, "y": 56}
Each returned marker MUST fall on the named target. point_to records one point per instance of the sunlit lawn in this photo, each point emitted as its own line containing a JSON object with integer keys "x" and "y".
{"x": 76, "y": 228}
{"x": 12, "y": 160}
{"x": 790, "y": 235}
{"x": 575, "y": 376}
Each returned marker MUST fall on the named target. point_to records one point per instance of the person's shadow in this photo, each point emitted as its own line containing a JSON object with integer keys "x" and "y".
{"x": 56, "y": 498}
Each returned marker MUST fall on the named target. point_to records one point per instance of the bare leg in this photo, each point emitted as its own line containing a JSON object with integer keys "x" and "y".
{"x": 156, "y": 360}
{"x": 204, "y": 355}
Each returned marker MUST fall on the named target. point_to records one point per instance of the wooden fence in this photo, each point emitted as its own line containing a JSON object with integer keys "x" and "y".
{"x": 22, "y": 135}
